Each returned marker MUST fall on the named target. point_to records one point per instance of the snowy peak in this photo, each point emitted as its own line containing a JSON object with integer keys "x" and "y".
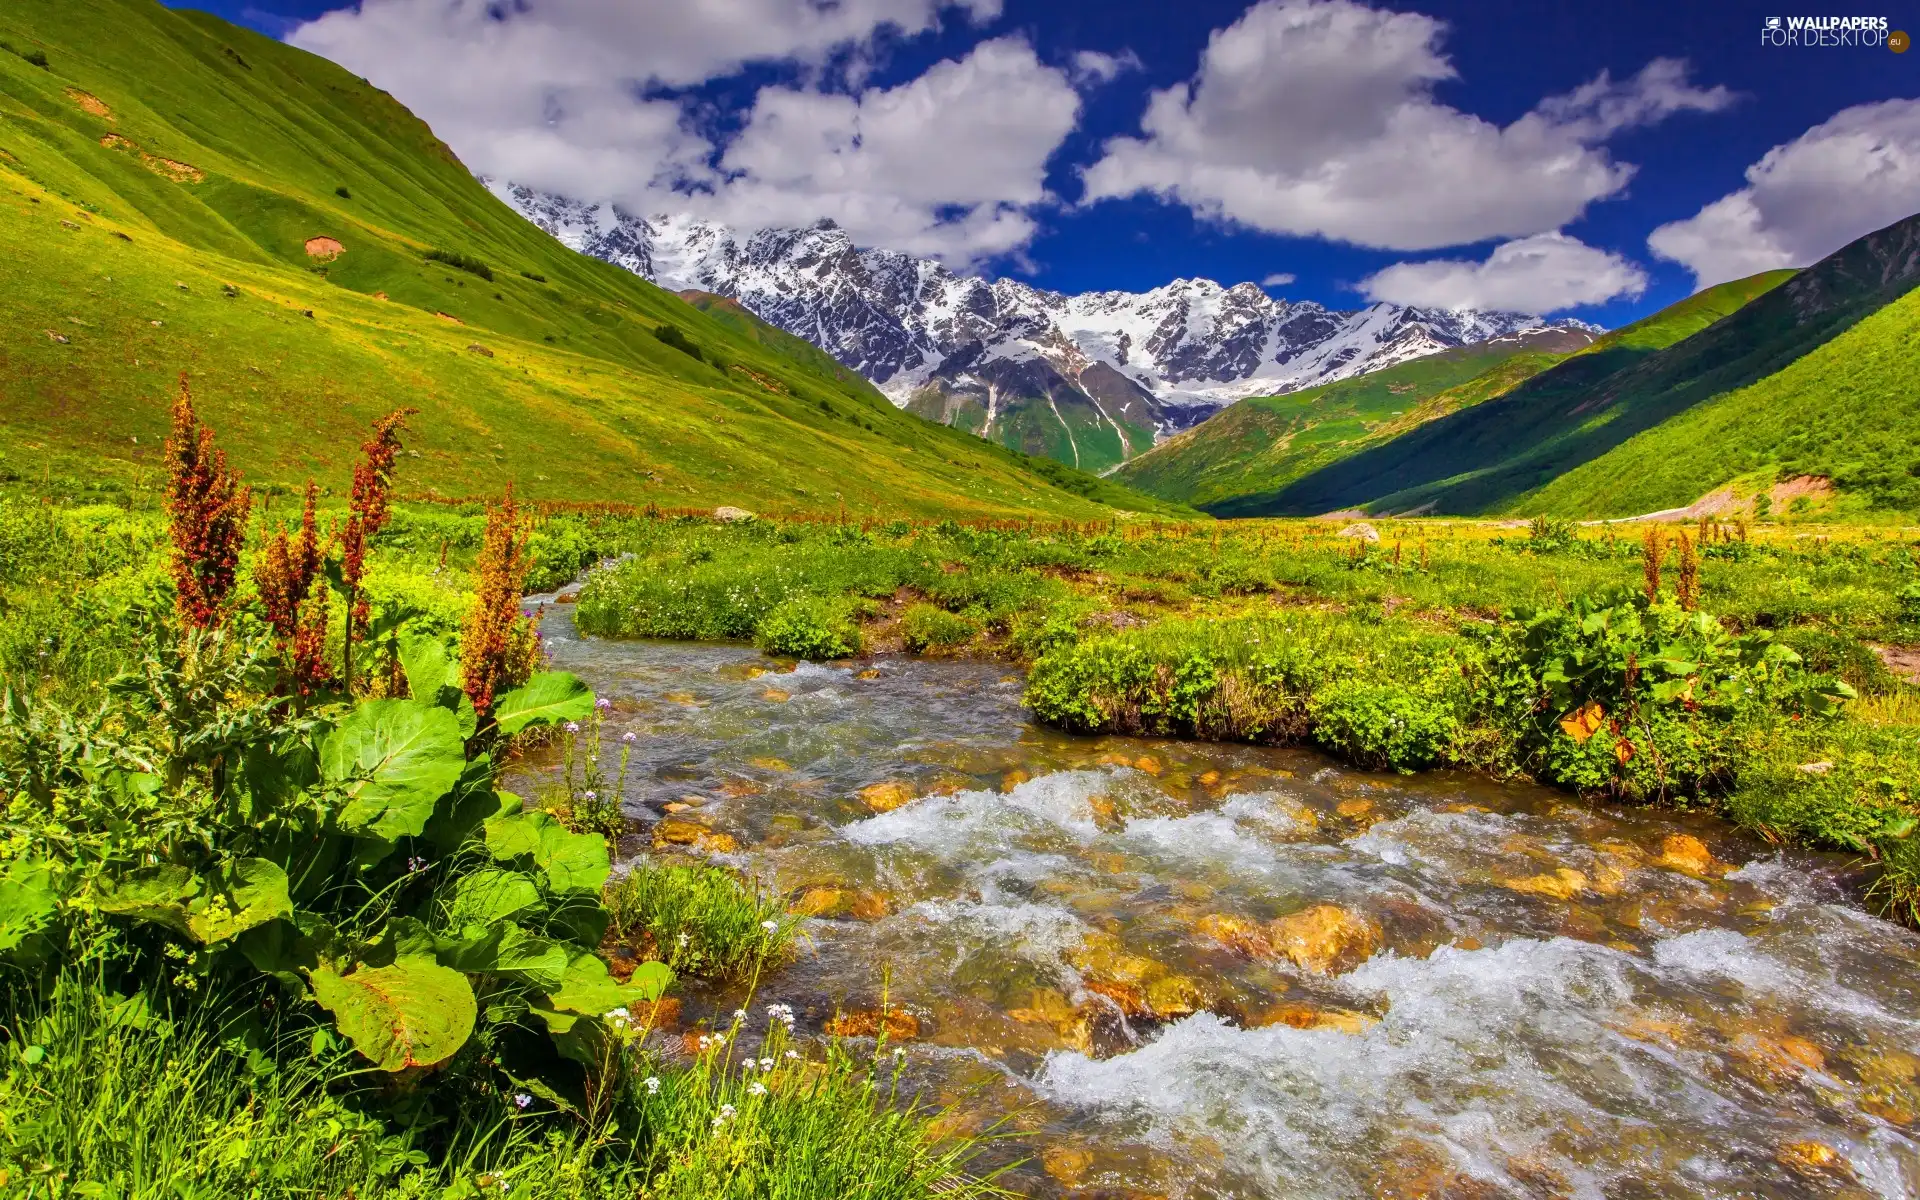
{"x": 1091, "y": 379}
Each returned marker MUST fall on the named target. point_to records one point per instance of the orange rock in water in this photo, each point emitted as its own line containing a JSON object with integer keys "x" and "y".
{"x": 1106, "y": 813}
{"x": 1238, "y": 933}
{"x": 900, "y": 1025}
{"x": 1013, "y": 779}
{"x": 768, "y": 763}
{"x": 1353, "y": 809}
{"x": 886, "y": 796}
{"x": 678, "y": 831}
{"x": 684, "y": 699}
{"x": 869, "y": 673}
{"x": 823, "y": 902}
{"x": 1147, "y": 763}
{"x": 777, "y": 695}
{"x": 1068, "y": 1164}
{"x": 1809, "y": 1156}
{"x": 869, "y": 906}
{"x": 1563, "y": 884}
{"x": 1325, "y": 939}
{"x": 1209, "y": 779}
{"x": 1175, "y": 996}
{"x": 1785, "y": 1055}
{"x": 1309, "y": 1016}
{"x": 1686, "y": 853}
{"x": 662, "y": 1015}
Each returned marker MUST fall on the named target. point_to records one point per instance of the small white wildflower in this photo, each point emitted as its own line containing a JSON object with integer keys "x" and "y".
{"x": 522, "y": 1100}
{"x": 626, "y": 737}
{"x": 793, "y": 1054}
{"x": 573, "y": 727}
{"x": 756, "y": 1088}
{"x": 770, "y": 926}
{"x": 899, "y": 1052}
{"x": 726, "y": 1110}
{"x": 592, "y": 795}
{"x": 603, "y": 704}
{"x": 682, "y": 939}
{"x": 766, "y": 1064}
{"x": 739, "y": 1014}
{"x": 653, "y": 1085}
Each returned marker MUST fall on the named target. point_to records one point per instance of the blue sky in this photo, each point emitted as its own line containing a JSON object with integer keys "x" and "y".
{"x": 1411, "y": 151}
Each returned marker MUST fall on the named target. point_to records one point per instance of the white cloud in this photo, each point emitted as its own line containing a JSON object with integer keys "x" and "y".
{"x": 947, "y": 164}
{"x": 565, "y": 96}
{"x": 1853, "y": 174}
{"x": 1279, "y": 279}
{"x": 1092, "y": 68}
{"x": 1539, "y": 274}
{"x": 1317, "y": 118}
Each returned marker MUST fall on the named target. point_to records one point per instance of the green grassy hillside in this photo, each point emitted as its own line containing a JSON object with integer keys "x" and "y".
{"x": 1475, "y": 458}
{"x": 180, "y": 194}
{"x": 1264, "y": 443}
{"x": 1848, "y": 410}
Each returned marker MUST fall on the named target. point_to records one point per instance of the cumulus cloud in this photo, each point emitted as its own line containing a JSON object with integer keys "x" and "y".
{"x": 1853, "y": 174}
{"x": 1539, "y": 274}
{"x": 1279, "y": 279}
{"x": 577, "y": 97}
{"x": 1317, "y": 118}
{"x": 947, "y": 164}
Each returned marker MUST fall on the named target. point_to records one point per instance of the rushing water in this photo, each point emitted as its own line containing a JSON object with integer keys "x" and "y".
{"x": 1533, "y": 997}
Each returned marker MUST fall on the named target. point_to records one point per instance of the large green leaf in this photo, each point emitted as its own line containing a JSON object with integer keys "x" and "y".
{"x": 507, "y": 949}
{"x": 158, "y": 894}
{"x": 573, "y": 862}
{"x": 548, "y": 696}
{"x": 590, "y": 991}
{"x": 27, "y": 902}
{"x": 414, "y": 1013}
{"x": 429, "y": 669}
{"x": 394, "y": 759}
{"x": 246, "y": 893}
{"x": 491, "y": 894}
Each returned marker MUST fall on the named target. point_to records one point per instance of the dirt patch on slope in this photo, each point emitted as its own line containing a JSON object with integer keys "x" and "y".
{"x": 89, "y": 103}
{"x": 172, "y": 168}
{"x": 1722, "y": 502}
{"x": 325, "y": 249}
{"x": 1902, "y": 661}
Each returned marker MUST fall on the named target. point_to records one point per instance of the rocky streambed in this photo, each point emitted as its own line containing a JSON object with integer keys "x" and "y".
{"x": 1192, "y": 970}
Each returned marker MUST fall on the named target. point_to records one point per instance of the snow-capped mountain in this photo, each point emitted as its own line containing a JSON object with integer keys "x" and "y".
{"x": 1091, "y": 379}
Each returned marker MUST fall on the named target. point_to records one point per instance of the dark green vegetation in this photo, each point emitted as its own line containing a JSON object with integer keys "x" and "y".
{"x": 171, "y": 198}
{"x": 254, "y": 946}
{"x": 1540, "y": 655}
{"x": 1264, "y": 443}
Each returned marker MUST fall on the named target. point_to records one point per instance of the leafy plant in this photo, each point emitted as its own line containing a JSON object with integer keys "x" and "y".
{"x": 815, "y": 628}
{"x": 925, "y": 627}
{"x": 700, "y": 920}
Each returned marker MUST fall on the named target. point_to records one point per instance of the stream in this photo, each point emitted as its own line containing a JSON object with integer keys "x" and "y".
{"x": 1192, "y": 970}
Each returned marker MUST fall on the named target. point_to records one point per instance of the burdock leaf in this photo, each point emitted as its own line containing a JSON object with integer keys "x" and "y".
{"x": 491, "y": 894}
{"x": 573, "y": 862}
{"x": 394, "y": 759}
{"x": 548, "y": 697}
{"x": 158, "y": 894}
{"x": 27, "y": 901}
{"x": 414, "y": 1013}
{"x": 247, "y": 892}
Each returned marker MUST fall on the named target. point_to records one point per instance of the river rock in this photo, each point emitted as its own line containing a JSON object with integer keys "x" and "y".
{"x": 730, "y": 514}
{"x": 1312, "y": 1016}
{"x": 678, "y": 831}
{"x": 886, "y": 796}
{"x": 1067, "y": 1164}
{"x": 899, "y": 1024}
{"x": 1563, "y": 884}
{"x": 1325, "y": 939}
{"x": 1361, "y": 530}
{"x": 1173, "y": 996}
{"x": 1810, "y": 1157}
{"x": 1689, "y": 855}
{"x": 1235, "y": 933}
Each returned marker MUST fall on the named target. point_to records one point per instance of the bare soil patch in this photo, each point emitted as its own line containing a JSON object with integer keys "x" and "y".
{"x": 89, "y": 103}
{"x": 1903, "y": 661}
{"x": 325, "y": 249}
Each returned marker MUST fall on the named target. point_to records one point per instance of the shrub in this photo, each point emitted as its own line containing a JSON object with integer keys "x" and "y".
{"x": 1908, "y": 599}
{"x": 537, "y": 278}
{"x": 343, "y": 193}
{"x": 461, "y": 262}
{"x": 925, "y": 627}
{"x": 671, "y": 335}
{"x": 815, "y": 628}
{"x": 1384, "y": 725}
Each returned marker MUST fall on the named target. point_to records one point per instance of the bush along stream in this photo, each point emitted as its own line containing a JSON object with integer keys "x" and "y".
{"x": 271, "y": 927}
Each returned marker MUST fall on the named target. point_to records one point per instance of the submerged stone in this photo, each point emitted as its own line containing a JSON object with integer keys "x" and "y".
{"x": 1325, "y": 939}
{"x": 678, "y": 831}
{"x": 887, "y": 796}
{"x": 1563, "y": 884}
{"x": 1311, "y": 1016}
{"x": 1689, "y": 855}
{"x": 899, "y": 1024}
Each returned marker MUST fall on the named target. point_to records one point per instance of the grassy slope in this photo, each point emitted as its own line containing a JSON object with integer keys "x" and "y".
{"x": 579, "y": 399}
{"x": 1833, "y": 412}
{"x": 1546, "y": 407}
{"x": 1266, "y": 442}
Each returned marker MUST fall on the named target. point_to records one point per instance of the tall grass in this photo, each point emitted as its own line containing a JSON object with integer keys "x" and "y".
{"x": 700, "y": 920}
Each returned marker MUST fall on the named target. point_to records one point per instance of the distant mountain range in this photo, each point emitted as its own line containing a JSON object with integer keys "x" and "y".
{"x": 1091, "y": 380}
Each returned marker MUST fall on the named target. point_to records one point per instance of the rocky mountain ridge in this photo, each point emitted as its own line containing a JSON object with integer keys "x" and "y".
{"x": 1091, "y": 379}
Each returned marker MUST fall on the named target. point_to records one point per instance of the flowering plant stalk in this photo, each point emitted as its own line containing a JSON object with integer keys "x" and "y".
{"x": 207, "y": 517}
{"x": 372, "y": 492}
